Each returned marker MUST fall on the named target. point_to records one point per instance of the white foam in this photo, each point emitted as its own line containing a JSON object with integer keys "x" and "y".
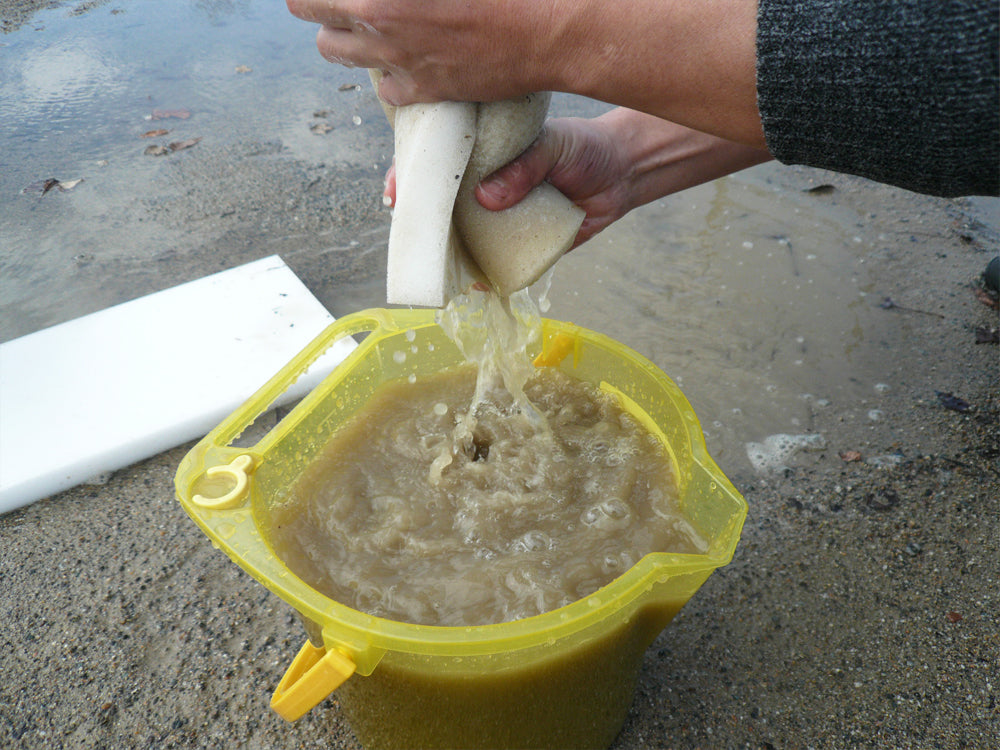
{"x": 769, "y": 457}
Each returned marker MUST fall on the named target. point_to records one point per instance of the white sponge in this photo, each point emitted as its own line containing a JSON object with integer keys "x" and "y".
{"x": 442, "y": 152}
{"x": 433, "y": 144}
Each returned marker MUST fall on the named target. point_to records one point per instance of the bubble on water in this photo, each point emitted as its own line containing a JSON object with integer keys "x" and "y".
{"x": 769, "y": 457}
{"x": 399, "y": 357}
{"x": 882, "y": 387}
{"x": 875, "y": 415}
{"x": 440, "y": 408}
{"x": 886, "y": 461}
{"x": 356, "y": 119}
{"x": 611, "y": 565}
{"x": 533, "y": 541}
{"x": 411, "y": 378}
{"x": 410, "y": 334}
{"x": 615, "y": 509}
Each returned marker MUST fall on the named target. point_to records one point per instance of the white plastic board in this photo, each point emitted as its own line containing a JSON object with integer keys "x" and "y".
{"x": 106, "y": 390}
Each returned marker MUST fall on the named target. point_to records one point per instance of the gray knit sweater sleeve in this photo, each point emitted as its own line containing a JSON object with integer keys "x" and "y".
{"x": 905, "y": 92}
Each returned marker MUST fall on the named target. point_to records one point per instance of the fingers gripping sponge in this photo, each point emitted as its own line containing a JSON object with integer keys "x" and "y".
{"x": 441, "y": 239}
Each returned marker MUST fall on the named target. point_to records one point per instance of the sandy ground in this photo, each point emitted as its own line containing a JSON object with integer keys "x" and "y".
{"x": 860, "y": 609}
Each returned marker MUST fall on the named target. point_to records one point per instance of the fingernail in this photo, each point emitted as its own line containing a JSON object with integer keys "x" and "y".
{"x": 495, "y": 188}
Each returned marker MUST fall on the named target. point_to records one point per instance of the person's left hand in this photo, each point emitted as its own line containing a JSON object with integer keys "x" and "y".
{"x": 611, "y": 164}
{"x": 577, "y": 156}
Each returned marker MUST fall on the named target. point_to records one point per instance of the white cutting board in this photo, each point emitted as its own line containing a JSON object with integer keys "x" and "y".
{"x": 109, "y": 389}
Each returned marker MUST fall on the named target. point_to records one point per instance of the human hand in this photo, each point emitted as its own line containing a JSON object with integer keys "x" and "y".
{"x": 690, "y": 63}
{"x": 438, "y": 49}
{"x": 611, "y": 164}
{"x": 577, "y": 156}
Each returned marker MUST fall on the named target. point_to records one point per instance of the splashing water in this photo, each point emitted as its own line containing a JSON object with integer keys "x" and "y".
{"x": 493, "y": 333}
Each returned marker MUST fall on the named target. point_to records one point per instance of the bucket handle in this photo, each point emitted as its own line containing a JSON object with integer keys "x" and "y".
{"x": 314, "y": 673}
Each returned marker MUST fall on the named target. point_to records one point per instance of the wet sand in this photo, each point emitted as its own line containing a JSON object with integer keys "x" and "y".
{"x": 860, "y": 609}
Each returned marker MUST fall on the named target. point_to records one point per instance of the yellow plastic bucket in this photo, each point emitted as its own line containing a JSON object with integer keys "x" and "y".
{"x": 561, "y": 679}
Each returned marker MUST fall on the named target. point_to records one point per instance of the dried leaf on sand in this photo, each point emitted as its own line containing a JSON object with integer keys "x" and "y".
{"x": 166, "y": 114}
{"x": 181, "y": 145}
{"x": 158, "y": 150}
{"x": 985, "y": 335}
{"x": 41, "y": 187}
{"x": 987, "y": 298}
{"x": 952, "y": 402}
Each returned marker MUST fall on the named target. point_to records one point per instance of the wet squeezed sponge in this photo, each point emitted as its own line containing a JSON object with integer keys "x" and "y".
{"x": 427, "y": 264}
{"x": 513, "y": 247}
{"x": 441, "y": 239}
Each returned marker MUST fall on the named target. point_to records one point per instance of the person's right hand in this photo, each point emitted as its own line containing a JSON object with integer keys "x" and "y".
{"x": 436, "y": 50}
{"x": 691, "y": 63}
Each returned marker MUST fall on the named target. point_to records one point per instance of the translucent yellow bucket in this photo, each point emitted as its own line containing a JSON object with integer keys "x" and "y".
{"x": 562, "y": 679}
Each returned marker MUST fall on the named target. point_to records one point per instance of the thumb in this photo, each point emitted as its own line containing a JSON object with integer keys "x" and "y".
{"x": 512, "y": 182}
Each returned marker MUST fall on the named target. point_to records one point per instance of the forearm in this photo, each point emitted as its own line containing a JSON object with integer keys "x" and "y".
{"x": 692, "y": 62}
{"x": 666, "y": 158}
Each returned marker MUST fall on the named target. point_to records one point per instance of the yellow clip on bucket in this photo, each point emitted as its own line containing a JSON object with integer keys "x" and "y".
{"x": 561, "y": 679}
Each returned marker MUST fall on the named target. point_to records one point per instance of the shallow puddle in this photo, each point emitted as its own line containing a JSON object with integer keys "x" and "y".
{"x": 751, "y": 292}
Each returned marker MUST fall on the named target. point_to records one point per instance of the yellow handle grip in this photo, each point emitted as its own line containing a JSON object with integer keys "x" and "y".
{"x": 555, "y": 349}
{"x": 313, "y": 674}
